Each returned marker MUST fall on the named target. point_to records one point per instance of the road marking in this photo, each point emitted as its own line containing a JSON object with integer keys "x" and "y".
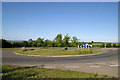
{"x": 95, "y": 63}
{"x": 113, "y": 65}
{"x": 72, "y": 66}
{"x": 90, "y": 63}
{"x": 50, "y": 67}
{"x": 94, "y": 66}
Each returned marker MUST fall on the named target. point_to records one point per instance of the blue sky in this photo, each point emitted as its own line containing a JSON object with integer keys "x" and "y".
{"x": 88, "y": 21}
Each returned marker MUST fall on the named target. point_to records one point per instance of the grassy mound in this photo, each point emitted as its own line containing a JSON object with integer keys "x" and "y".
{"x": 54, "y": 51}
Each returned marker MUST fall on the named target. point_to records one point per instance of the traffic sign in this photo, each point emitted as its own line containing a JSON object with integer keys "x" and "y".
{"x": 83, "y": 45}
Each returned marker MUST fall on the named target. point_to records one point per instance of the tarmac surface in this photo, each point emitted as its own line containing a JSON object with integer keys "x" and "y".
{"x": 104, "y": 63}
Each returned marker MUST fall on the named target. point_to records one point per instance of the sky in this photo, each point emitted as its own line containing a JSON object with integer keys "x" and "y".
{"x": 88, "y": 21}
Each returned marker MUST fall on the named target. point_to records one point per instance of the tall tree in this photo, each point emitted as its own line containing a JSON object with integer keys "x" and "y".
{"x": 58, "y": 39}
{"x": 24, "y": 43}
{"x": 52, "y": 43}
{"x": 30, "y": 42}
{"x": 66, "y": 40}
{"x": 74, "y": 41}
{"x": 5, "y": 43}
{"x": 34, "y": 43}
{"x": 47, "y": 41}
{"x": 40, "y": 42}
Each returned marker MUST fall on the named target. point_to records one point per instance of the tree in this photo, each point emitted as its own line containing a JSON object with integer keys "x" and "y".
{"x": 58, "y": 40}
{"x": 66, "y": 40}
{"x": 30, "y": 42}
{"x": 40, "y": 42}
{"x": 74, "y": 41}
{"x": 114, "y": 45}
{"x": 52, "y": 43}
{"x": 92, "y": 41}
{"x": 24, "y": 43}
{"x": 5, "y": 43}
{"x": 46, "y": 41}
{"x": 34, "y": 43}
{"x": 108, "y": 45}
{"x": 16, "y": 44}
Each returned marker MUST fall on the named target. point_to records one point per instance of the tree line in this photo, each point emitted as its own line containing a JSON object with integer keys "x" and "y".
{"x": 58, "y": 41}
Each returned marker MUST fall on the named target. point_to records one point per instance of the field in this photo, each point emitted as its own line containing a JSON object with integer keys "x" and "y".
{"x": 10, "y": 71}
{"x": 101, "y": 44}
{"x": 58, "y": 51}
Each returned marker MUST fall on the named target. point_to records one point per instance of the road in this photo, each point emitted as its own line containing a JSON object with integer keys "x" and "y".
{"x": 105, "y": 63}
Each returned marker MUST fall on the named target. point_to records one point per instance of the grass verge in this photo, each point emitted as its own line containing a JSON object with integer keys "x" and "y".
{"x": 10, "y": 71}
{"x": 54, "y": 51}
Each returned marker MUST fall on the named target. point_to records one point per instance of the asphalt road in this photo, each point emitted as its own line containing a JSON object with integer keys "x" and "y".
{"x": 105, "y": 63}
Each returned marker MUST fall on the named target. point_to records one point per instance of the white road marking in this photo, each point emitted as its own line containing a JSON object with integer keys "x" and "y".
{"x": 113, "y": 65}
{"x": 94, "y": 66}
{"x": 49, "y": 67}
{"x": 96, "y": 63}
{"x": 72, "y": 66}
{"x": 90, "y": 63}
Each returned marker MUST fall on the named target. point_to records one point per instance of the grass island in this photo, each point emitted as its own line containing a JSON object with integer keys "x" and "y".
{"x": 57, "y": 51}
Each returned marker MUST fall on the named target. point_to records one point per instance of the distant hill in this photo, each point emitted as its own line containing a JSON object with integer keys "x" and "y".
{"x": 16, "y": 40}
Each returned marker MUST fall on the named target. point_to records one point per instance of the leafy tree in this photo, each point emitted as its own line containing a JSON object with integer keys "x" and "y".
{"x": 47, "y": 41}
{"x": 34, "y": 43}
{"x": 16, "y": 44}
{"x": 66, "y": 40}
{"x": 103, "y": 45}
{"x": 114, "y": 45}
{"x": 30, "y": 42}
{"x": 108, "y": 45}
{"x": 40, "y": 42}
{"x": 74, "y": 41}
{"x": 52, "y": 43}
{"x": 58, "y": 40}
{"x": 24, "y": 43}
{"x": 5, "y": 43}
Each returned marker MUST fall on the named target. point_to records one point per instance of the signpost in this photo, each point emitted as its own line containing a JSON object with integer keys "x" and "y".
{"x": 83, "y": 46}
{"x": 105, "y": 45}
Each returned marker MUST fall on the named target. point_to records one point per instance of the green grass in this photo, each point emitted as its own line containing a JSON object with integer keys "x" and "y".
{"x": 54, "y": 51}
{"x": 10, "y": 71}
{"x": 98, "y": 44}
{"x": 94, "y": 44}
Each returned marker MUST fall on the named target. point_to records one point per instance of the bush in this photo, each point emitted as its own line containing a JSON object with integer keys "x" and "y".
{"x": 103, "y": 45}
{"x": 108, "y": 45}
{"x": 65, "y": 48}
{"x": 31, "y": 49}
{"x": 24, "y": 50}
{"x": 114, "y": 45}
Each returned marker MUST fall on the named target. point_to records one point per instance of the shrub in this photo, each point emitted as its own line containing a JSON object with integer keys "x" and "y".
{"x": 65, "y": 48}
{"x": 114, "y": 45}
{"x": 24, "y": 50}
{"x": 103, "y": 45}
{"x": 108, "y": 45}
{"x": 31, "y": 49}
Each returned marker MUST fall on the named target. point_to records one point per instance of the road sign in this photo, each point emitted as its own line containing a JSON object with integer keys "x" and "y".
{"x": 83, "y": 45}
{"x": 105, "y": 45}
